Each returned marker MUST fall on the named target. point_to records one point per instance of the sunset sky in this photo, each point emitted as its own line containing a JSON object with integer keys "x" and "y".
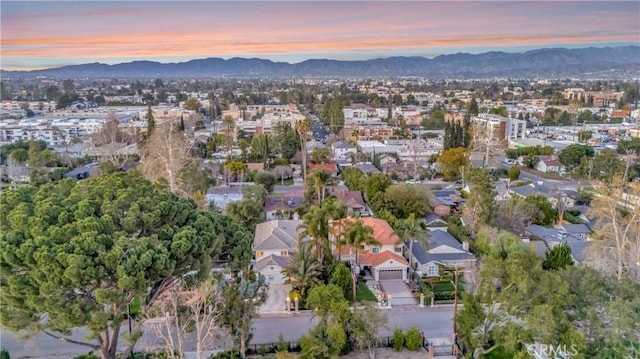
{"x": 54, "y": 33}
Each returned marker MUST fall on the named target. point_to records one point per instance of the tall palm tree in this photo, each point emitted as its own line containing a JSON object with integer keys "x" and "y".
{"x": 356, "y": 233}
{"x": 229, "y": 124}
{"x": 303, "y": 127}
{"x": 319, "y": 178}
{"x": 304, "y": 270}
{"x": 315, "y": 224}
{"x": 411, "y": 229}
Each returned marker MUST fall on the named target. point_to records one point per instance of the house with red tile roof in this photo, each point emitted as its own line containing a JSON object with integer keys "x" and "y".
{"x": 331, "y": 167}
{"x": 386, "y": 256}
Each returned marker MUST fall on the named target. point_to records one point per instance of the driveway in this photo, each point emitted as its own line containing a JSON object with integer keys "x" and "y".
{"x": 276, "y": 300}
{"x": 399, "y": 291}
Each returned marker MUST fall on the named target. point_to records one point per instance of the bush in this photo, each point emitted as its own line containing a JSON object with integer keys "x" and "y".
{"x": 4, "y": 354}
{"x": 83, "y": 356}
{"x": 227, "y": 354}
{"x": 413, "y": 339}
{"x": 397, "y": 341}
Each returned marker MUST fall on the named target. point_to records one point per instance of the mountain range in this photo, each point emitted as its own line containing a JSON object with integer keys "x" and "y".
{"x": 611, "y": 62}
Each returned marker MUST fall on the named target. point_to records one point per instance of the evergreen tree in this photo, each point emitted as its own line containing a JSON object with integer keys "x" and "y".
{"x": 181, "y": 127}
{"x": 151, "y": 123}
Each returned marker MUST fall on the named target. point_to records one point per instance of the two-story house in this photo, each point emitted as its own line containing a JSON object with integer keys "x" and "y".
{"x": 384, "y": 260}
{"x": 273, "y": 244}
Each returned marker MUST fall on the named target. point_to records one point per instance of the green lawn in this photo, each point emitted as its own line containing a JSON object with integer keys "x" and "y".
{"x": 364, "y": 294}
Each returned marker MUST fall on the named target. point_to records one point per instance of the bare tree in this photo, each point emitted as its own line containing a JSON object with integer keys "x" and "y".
{"x": 617, "y": 231}
{"x": 188, "y": 314}
{"x": 166, "y": 154}
{"x": 485, "y": 139}
{"x": 110, "y": 143}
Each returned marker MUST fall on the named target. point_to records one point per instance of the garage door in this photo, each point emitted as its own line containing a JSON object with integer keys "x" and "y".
{"x": 390, "y": 274}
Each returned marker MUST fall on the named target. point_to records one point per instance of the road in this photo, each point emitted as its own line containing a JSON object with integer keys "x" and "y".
{"x": 434, "y": 322}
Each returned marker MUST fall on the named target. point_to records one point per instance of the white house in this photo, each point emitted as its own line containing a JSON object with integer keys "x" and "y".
{"x": 445, "y": 252}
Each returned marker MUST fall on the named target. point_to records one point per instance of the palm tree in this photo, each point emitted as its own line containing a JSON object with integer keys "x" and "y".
{"x": 315, "y": 224}
{"x": 319, "y": 178}
{"x": 303, "y": 127}
{"x": 411, "y": 229}
{"x": 304, "y": 270}
{"x": 356, "y": 233}
{"x": 229, "y": 124}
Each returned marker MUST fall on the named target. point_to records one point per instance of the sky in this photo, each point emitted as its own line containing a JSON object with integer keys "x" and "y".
{"x": 36, "y": 35}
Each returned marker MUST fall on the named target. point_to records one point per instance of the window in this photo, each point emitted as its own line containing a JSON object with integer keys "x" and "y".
{"x": 375, "y": 250}
{"x": 259, "y": 254}
{"x": 442, "y": 210}
{"x": 283, "y": 253}
{"x": 397, "y": 249}
{"x": 432, "y": 271}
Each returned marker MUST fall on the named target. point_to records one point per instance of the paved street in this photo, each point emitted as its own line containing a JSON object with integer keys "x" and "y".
{"x": 434, "y": 322}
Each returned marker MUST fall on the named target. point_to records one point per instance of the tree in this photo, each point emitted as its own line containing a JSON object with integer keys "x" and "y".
{"x": 235, "y": 170}
{"x": 167, "y": 153}
{"x": 329, "y": 338}
{"x": 266, "y": 179}
{"x": 321, "y": 155}
{"x": 546, "y": 213}
{"x": 514, "y": 173}
{"x": 80, "y": 252}
{"x": 516, "y": 302}
{"x": 515, "y": 215}
{"x": 353, "y": 178}
{"x": 364, "y": 326}
{"x": 190, "y": 312}
{"x": 481, "y": 199}
{"x": 500, "y": 111}
{"x": 341, "y": 277}
{"x": 243, "y": 295}
{"x": 315, "y": 224}
{"x": 531, "y": 161}
{"x": 229, "y": 125}
{"x": 374, "y": 188}
{"x": 318, "y": 180}
{"x": 192, "y": 104}
{"x": 557, "y": 257}
{"x": 356, "y": 233}
{"x": 572, "y": 155}
{"x": 412, "y": 230}
{"x": 248, "y": 211}
{"x": 617, "y": 248}
{"x": 303, "y": 127}
{"x": 608, "y": 165}
{"x": 260, "y": 148}
{"x": 304, "y": 270}
{"x": 451, "y": 161}
{"x": 404, "y": 201}
{"x": 20, "y": 155}
{"x": 151, "y": 122}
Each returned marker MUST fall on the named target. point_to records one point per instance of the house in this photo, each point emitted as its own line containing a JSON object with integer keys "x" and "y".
{"x": 387, "y": 159}
{"x": 367, "y": 168}
{"x": 255, "y": 166}
{"x": 221, "y": 196}
{"x": 271, "y": 268}
{"x": 283, "y": 205}
{"x": 353, "y": 200}
{"x": 543, "y": 239}
{"x": 445, "y": 252}
{"x": 435, "y": 223}
{"x": 439, "y": 207}
{"x": 382, "y": 232}
{"x": 83, "y": 172}
{"x": 331, "y": 167}
{"x": 340, "y": 148}
{"x": 548, "y": 166}
{"x": 273, "y": 244}
{"x": 578, "y": 230}
{"x": 385, "y": 265}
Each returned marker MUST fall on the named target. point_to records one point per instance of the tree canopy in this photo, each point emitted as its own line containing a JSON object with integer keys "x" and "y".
{"x": 80, "y": 252}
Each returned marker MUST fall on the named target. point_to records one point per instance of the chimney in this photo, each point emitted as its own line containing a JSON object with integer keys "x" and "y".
{"x": 465, "y": 245}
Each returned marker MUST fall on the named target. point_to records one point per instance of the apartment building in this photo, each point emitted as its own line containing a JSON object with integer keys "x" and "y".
{"x": 53, "y": 131}
{"x": 501, "y": 128}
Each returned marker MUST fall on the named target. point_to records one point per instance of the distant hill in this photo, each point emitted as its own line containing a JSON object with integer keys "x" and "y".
{"x": 613, "y": 62}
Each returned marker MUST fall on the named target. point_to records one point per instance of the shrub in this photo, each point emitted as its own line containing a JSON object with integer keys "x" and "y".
{"x": 4, "y": 354}
{"x": 83, "y": 356}
{"x": 397, "y": 341}
{"x": 413, "y": 339}
{"x": 227, "y": 354}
